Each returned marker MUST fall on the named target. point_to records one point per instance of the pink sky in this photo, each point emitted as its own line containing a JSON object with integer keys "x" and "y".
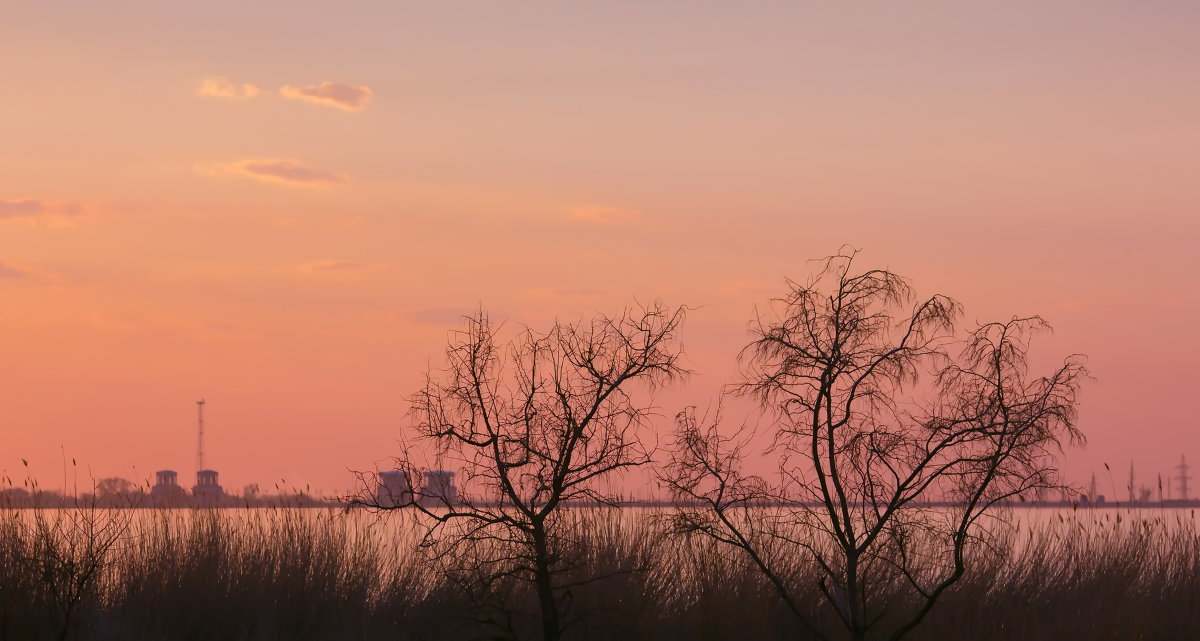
{"x": 282, "y": 207}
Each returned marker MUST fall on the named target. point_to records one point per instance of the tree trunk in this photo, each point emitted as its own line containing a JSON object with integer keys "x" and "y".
{"x": 856, "y": 616}
{"x": 545, "y": 589}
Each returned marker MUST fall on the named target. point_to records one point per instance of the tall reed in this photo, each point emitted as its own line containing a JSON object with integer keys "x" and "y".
{"x": 319, "y": 574}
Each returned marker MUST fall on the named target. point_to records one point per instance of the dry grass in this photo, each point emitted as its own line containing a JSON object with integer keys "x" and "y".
{"x": 315, "y": 574}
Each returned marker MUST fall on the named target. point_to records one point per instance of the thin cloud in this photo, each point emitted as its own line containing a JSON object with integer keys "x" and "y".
{"x": 220, "y": 87}
{"x": 602, "y": 215}
{"x": 334, "y": 266}
{"x": 332, "y": 94}
{"x": 743, "y": 287}
{"x": 8, "y": 271}
{"x": 439, "y": 315}
{"x": 19, "y": 208}
{"x": 278, "y": 171}
{"x": 128, "y": 323}
{"x": 30, "y": 208}
{"x": 561, "y": 294}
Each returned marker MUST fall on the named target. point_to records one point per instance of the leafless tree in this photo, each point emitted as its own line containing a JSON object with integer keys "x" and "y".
{"x": 70, "y": 547}
{"x": 532, "y": 426}
{"x": 894, "y": 437}
{"x": 113, "y": 487}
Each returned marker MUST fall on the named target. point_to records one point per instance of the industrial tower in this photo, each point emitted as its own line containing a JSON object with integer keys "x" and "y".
{"x": 199, "y": 435}
{"x": 1183, "y": 478}
{"x": 206, "y": 492}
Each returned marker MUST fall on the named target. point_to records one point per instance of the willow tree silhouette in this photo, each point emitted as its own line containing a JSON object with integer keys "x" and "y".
{"x": 894, "y": 437}
{"x": 533, "y": 425}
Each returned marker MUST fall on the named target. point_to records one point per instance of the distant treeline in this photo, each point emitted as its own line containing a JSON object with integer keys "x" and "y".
{"x": 138, "y": 498}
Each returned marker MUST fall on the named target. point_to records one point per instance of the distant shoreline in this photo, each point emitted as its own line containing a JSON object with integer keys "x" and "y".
{"x": 308, "y": 502}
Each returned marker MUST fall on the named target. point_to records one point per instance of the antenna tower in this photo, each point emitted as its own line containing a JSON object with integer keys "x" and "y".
{"x": 1183, "y": 478}
{"x": 199, "y": 435}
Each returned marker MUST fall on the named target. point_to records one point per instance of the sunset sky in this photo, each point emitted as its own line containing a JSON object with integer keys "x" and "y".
{"x": 282, "y": 207}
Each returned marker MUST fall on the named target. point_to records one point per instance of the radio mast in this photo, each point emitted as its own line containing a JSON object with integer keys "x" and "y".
{"x": 1183, "y": 478}
{"x": 199, "y": 435}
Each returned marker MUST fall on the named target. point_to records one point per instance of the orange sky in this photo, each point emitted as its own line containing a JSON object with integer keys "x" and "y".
{"x": 282, "y": 207}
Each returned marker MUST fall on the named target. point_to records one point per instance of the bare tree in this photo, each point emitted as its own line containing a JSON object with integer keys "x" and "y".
{"x": 894, "y": 438}
{"x": 533, "y": 426}
{"x": 70, "y": 547}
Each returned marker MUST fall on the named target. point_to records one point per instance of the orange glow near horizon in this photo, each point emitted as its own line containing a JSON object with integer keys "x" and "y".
{"x": 283, "y": 208}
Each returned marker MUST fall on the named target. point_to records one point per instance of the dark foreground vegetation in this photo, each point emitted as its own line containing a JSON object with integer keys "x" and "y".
{"x": 308, "y": 574}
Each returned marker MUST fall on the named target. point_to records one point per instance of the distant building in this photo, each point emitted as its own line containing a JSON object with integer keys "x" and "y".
{"x": 395, "y": 489}
{"x": 439, "y": 490}
{"x": 166, "y": 491}
{"x": 206, "y": 492}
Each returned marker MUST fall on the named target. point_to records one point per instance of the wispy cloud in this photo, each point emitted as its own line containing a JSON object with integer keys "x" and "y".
{"x": 561, "y": 294}
{"x": 131, "y": 323}
{"x": 17, "y": 208}
{"x": 599, "y": 214}
{"x": 221, "y": 87}
{"x": 439, "y": 315}
{"x": 744, "y": 287}
{"x": 334, "y": 266}
{"x": 333, "y": 94}
{"x": 277, "y": 170}
{"x": 8, "y": 271}
{"x": 34, "y": 209}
